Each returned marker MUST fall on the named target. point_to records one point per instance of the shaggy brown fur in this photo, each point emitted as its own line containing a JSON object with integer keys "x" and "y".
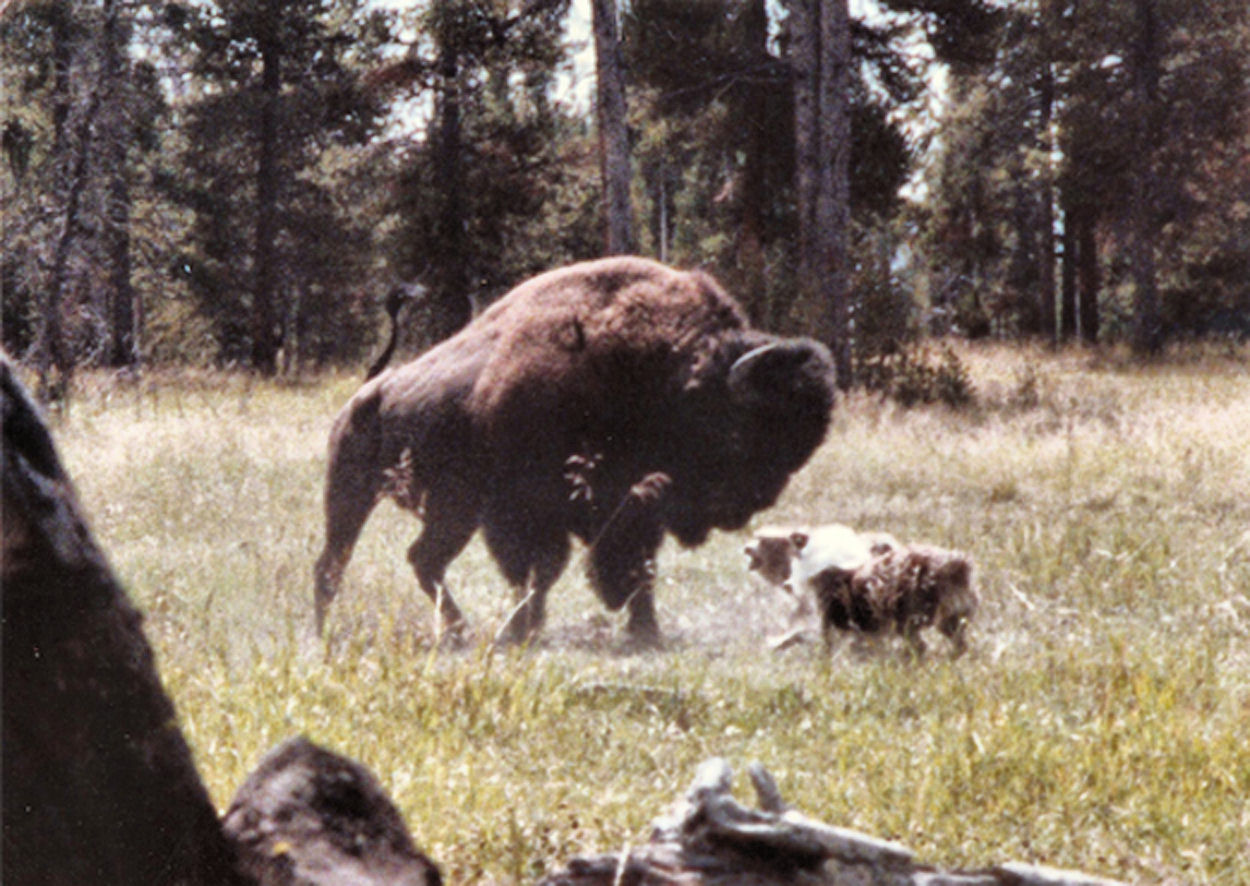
{"x": 310, "y": 817}
{"x": 625, "y": 367}
{"x": 908, "y": 587}
{"x": 788, "y": 557}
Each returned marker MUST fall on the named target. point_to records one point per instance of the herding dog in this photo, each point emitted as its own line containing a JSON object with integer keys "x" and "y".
{"x": 869, "y": 582}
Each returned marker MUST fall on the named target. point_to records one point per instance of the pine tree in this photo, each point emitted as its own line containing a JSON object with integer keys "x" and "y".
{"x": 78, "y": 121}
{"x": 484, "y": 182}
{"x": 1149, "y": 108}
{"x": 271, "y": 253}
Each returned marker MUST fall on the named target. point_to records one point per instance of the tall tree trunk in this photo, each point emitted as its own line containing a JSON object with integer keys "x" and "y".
{"x": 123, "y": 349}
{"x": 1147, "y": 328}
{"x": 265, "y": 342}
{"x": 805, "y": 67}
{"x": 833, "y": 203}
{"x": 1067, "y": 287}
{"x": 450, "y": 272}
{"x": 62, "y": 64}
{"x": 1024, "y": 259}
{"x": 72, "y": 151}
{"x": 613, "y": 130}
{"x": 752, "y": 196}
{"x": 53, "y": 351}
{"x": 122, "y": 346}
{"x": 1087, "y": 272}
{"x": 1046, "y": 222}
{"x": 820, "y": 60}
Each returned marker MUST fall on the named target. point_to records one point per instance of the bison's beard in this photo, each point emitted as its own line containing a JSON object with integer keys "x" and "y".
{"x": 728, "y": 508}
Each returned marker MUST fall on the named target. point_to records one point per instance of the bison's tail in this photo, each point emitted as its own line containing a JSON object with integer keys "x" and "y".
{"x": 395, "y": 301}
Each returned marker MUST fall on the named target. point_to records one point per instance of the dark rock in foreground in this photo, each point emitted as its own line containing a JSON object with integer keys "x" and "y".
{"x": 99, "y": 785}
{"x": 309, "y": 816}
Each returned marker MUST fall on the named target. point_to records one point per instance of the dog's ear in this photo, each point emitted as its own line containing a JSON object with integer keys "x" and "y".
{"x": 799, "y": 540}
{"x": 753, "y": 556}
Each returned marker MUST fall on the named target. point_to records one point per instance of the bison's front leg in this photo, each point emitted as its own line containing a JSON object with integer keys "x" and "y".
{"x": 622, "y": 556}
{"x": 531, "y": 547}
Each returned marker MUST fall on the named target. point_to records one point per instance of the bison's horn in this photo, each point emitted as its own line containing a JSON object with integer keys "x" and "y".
{"x": 740, "y": 371}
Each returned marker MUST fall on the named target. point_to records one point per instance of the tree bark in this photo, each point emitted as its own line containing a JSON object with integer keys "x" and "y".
{"x": 833, "y": 203}
{"x": 122, "y": 347}
{"x": 752, "y": 196}
{"x": 1067, "y": 286}
{"x": 265, "y": 341}
{"x": 450, "y": 273}
{"x": 1046, "y": 223}
{"x": 613, "y": 130}
{"x": 1147, "y": 328}
{"x": 820, "y": 60}
{"x": 805, "y": 65}
{"x": 1087, "y": 273}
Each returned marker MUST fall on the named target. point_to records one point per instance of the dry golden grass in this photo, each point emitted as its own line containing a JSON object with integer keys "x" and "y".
{"x": 1099, "y": 721}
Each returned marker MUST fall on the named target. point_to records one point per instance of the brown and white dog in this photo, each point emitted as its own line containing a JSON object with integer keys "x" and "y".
{"x": 788, "y": 556}
{"x": 868, "y": 582}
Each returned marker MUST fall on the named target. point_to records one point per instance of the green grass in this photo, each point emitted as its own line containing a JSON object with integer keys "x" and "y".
{"x": 1100, "y": 721}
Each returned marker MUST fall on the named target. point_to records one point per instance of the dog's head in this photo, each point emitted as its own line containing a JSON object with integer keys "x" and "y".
{"x": 771, "y": 552}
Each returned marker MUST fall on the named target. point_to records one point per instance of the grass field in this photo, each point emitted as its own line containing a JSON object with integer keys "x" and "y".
{"x": 1101, "y": 720}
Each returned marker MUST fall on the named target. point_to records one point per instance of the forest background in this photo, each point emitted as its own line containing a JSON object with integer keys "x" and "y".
{"x": 238, "y": 183}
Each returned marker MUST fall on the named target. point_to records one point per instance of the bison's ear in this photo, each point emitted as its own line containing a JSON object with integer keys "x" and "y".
{"x": 779, "y": 369}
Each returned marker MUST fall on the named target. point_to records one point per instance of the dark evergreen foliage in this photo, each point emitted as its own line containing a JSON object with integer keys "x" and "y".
{"x": 275, "y": 258}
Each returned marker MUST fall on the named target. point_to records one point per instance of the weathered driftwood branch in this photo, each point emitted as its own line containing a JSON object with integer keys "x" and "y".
{"x": 710, "y": 838}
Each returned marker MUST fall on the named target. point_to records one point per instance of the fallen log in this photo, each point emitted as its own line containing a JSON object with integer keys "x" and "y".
{"x": 710, "y": 838}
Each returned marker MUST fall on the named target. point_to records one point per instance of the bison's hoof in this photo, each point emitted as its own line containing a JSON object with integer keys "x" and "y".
{"x": 638, "y": 645}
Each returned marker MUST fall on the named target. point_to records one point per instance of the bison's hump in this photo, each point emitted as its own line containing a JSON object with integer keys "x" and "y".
{"x": 596, "y": 329}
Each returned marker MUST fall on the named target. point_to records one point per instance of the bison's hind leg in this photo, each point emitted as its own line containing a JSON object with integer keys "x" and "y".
{"x": 450, "y": 521}
{"x": 347, "y": 508}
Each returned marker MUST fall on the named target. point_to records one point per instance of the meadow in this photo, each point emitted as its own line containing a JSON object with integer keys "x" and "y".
{"x": 1099, "y": 721}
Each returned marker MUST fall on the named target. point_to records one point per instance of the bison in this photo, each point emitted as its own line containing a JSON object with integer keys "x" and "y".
{"x": 614, "y": 400}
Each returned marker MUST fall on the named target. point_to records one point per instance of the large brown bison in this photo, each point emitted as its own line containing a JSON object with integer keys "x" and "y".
{"x": 613, "y": 400}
